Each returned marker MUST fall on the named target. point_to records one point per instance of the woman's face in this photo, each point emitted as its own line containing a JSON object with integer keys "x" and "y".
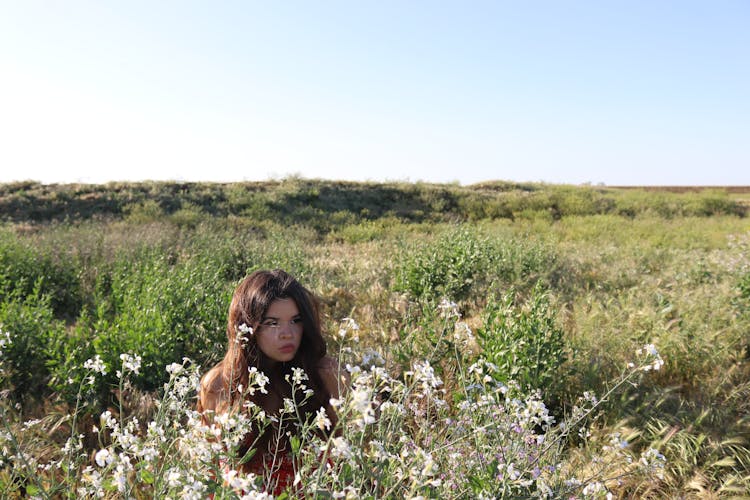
{"x": 280, "y": 331}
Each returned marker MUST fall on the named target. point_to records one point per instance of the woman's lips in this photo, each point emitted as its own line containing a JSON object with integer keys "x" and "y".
{"x": 287, "y": 348}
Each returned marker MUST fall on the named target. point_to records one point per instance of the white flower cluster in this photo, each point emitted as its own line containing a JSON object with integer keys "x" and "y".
{"x": 5, "y": 341}
{"x": 448, "y": 309}
{"x": 398, "y": 434}
{"x": 256, "y": 381}
{"x": 96, "y": 365}
{"x": 349, "y": 328}
{"x": 653, "y": 358}
{"x": 245, "y": 332}
{"x": 130, "y": 363}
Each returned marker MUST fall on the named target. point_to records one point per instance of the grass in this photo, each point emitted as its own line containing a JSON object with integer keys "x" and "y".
{"x": 146, "y": 267}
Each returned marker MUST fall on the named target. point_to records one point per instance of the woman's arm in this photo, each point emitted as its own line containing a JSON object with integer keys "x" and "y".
{"x": 213, "y": 394}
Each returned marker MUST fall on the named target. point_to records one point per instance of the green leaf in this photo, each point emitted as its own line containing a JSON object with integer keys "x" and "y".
{"x": 296, "y": 444}
{"x": 247, "y": 456}
{"x": 146, "y": 476}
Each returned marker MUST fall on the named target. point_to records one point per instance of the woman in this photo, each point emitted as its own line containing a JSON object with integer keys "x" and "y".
{"x": 273, "y": 327}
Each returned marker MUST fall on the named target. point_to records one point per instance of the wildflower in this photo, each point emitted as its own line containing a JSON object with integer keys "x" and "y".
{"x": 448, "y": 309}
{"x": 341, "y": 448}
{"x": 462, "y": 334}
{"x": 257, "y": 379}
{"x": 424, "y": 376}
{"x": 4, "y": 340}
{"x": 321, "y": 419}
{"x": 651, "y": 351}
{"x": 130, "y": 362}
{"x": 372, "y": 357}
{"x": 593, "y": 488}
{"x": 31, "y": 423}
{"x": 107, "y": 420}
{"x": 362, "y": 404}
{"x": 173, "y": 478}
{"x": 652, "y": 461}
{"x": 96, "y": 365}
{"x": 298, "y": 376}
{"x": 103, "y": 457}
{"x": 174, "y": 368}
{"x": 513, "y": 473}
{"x": 349, "y": 325}
{"x": 244, "y": 334}
{"x": 335, "y": 403}
{"x": 236, "y": 481}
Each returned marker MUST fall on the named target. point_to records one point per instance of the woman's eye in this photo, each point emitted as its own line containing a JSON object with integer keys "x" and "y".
{"x": 270, "y": 323}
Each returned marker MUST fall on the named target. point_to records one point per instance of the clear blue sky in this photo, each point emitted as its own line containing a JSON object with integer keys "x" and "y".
{"x": 613, "y": 92}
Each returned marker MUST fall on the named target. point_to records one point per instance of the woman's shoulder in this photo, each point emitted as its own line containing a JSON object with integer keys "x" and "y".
{"x": 335, "y": 378}
{"x": 327, "y": 363}
{"x": 213, "y": 389}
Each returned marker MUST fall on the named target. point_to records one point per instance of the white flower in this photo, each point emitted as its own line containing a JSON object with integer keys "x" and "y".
{"x": 245, "y": 332}
{"x": 298, "y": 376}
{"x": 335, "y": 403}
{"x": 107, "y": 420}
{"x": 31, "y": 423}
{"x": 448, "y": 309}
{"x": 593, "y": 488}
{"x": 256, "y": 380}
{"x": 424, "y": 376}
{"x": 173, "y": 478}
{"x": 96, "y": 365}
{"x": 235, "y": 480}
{"x": 130, "y": 362}
{"x": 322, "y": 420}
{"x": 361, "y": 403}
{"x": 103, "y": 457}
{"x": 174, "y": 368}
{"x": 349, "y": 325}
{"x": 341, "y": 448}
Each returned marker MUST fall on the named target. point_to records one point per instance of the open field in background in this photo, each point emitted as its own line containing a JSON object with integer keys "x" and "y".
{"x": 558, "y": 285}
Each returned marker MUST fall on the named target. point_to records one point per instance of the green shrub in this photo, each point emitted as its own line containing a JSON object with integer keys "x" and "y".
{"x": 189, "y": 215}
{"x": 147, "y": 211}
{"x": 30, "y": 323}
{"x": 23, "y": 268}
{"x": 463, "y": 263}
{"x": 446, "y": 268}
{"x": 161, "y": 312}
{"x": 524, "y": 342}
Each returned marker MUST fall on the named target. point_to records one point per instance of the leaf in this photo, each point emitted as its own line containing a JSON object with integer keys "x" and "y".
{"x": 296, "y": 444}
{"x": 247, "y": 456}
{"x": 146, "y": 476}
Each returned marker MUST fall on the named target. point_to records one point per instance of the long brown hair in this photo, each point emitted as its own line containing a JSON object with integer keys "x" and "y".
{"x": 249, "y": 305}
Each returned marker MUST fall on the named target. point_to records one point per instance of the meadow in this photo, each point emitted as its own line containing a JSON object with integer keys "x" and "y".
{"x": 504, "y": 340}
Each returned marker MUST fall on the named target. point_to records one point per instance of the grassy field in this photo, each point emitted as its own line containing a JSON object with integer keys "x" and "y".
{"x": 513, "y": 325}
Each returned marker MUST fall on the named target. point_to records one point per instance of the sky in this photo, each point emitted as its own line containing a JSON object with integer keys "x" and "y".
{"x": 614, "y": 92}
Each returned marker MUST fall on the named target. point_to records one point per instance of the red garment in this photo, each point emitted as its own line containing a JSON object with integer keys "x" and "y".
{"x": 277, "y": 471}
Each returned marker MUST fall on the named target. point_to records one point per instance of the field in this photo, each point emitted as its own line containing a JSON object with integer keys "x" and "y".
{"x": 505, "y": 340}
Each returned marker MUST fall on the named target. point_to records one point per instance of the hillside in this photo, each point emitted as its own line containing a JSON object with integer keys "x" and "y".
{"x": 328, "y": 204}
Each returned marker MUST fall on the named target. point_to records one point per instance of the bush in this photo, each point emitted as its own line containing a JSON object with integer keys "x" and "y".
{"x": 524, "y": 342}
{"x": 447, "y": 268}
{"x": 462, "y": 263}
{"x": 30, "y": 324}
{"x": 162, "y": 312}
{"x": 24, "y": 269}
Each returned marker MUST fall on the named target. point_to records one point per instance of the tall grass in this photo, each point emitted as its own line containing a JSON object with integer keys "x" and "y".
{"x": 583, "y": 287}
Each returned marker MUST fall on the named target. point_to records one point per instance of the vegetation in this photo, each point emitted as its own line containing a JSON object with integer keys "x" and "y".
{"x": 500, "y": 317}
